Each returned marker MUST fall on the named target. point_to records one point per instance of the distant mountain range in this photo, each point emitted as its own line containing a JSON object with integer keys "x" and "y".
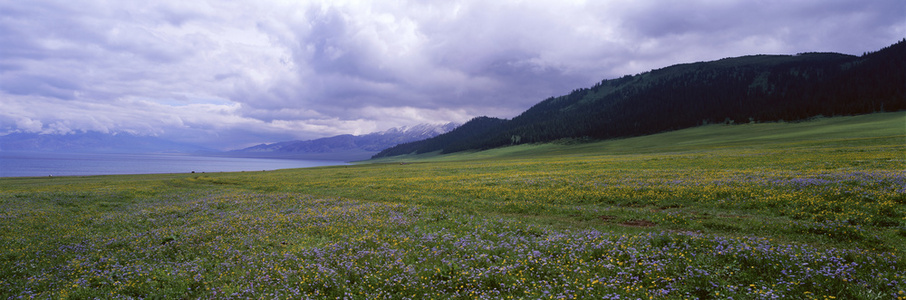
{"x": 757, "y": 88}
{"x": 342, "y": 147}
{"x": 345, "y": 147}
{"x": 95, "y": 142}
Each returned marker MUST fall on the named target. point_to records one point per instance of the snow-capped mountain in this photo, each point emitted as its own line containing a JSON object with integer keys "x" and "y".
{"x": 349, "y": 146}
{"x": 378, "y": 141}
{"x": 418, "y": 131}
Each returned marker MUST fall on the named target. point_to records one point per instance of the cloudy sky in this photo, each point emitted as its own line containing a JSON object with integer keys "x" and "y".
{"x": 228, "y": 74}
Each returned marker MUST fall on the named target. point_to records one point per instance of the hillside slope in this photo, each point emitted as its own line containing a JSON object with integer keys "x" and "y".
{"x": 859, "y": 131}
{"x": 758, "y": 88}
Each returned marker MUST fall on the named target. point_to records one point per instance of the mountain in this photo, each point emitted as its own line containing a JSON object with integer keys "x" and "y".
{"x": 460, "y": 136}
{"x": 93, "y": 141}
{"x": 346, "y": 147}
{"x": 756, "y": 88}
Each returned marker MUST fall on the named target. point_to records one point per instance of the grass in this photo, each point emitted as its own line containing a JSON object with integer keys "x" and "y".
{"x": 853, "y": 129}
{"x": 802, "y": 210}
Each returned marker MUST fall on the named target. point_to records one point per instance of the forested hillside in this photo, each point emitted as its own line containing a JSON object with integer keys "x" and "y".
{"x": 758, "y": 88}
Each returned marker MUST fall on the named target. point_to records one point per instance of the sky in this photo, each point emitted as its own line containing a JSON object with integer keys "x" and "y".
{"x": 231, "y": 74}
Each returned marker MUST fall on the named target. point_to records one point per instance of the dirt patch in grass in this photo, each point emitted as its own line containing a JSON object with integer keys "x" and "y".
{"x": 638, "y": 223}
{"x": 607, "y": 218}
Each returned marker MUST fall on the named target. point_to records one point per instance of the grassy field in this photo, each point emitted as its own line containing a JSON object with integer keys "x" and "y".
{"x": 811, "y": 210}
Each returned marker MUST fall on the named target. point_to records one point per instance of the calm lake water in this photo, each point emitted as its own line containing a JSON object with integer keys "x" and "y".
{"x": 22, "y": 164}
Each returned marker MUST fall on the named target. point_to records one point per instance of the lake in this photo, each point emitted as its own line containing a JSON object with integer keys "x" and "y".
{"x": 25, "y": 164}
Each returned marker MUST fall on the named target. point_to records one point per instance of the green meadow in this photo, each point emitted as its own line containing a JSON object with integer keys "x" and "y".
{"x": 807, "y": 210}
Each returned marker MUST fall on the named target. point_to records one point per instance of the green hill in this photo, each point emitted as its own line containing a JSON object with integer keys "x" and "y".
{"x": 858, "y": 129}
{"x": 759, "y": 88}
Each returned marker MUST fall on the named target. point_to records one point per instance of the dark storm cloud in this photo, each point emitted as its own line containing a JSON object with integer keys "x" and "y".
{"x": 244, "y": 72}
{"x": 46, "y": 86}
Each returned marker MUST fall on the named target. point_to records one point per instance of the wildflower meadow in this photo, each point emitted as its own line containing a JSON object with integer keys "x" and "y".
{"x": 774, "y": 215}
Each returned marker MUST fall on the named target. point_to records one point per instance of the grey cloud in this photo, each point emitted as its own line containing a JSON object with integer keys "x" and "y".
{"x": 27, "y": 33}
{"x": 225, "y": 76}
{"x": 46, "y": 86}
{"x": 282, "y": 70}
{"x": 139, "y": 42}
{"x": 7, "y": 67}
{"x": 182, "y": 12}
{"x": 796, "y": 25}
{"x": 485, "y": 51}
